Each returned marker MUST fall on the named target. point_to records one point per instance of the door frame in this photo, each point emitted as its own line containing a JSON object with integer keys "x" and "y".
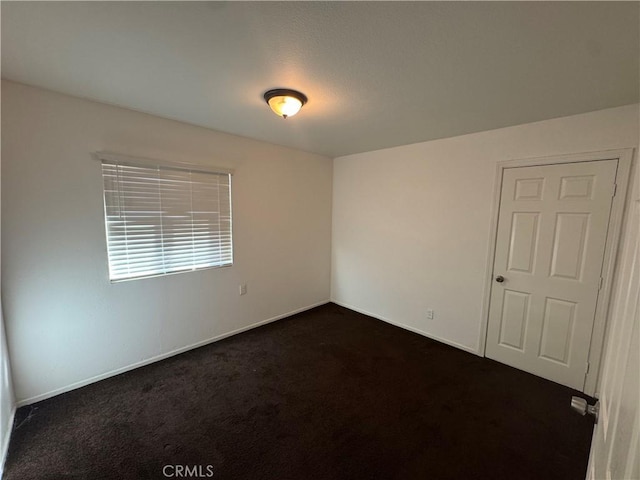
{"x": 614, "y": 230}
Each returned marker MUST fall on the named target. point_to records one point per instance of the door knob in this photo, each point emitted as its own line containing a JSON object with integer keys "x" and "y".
{"x": 581, "y": 406}
{"x": 499, "y": 279}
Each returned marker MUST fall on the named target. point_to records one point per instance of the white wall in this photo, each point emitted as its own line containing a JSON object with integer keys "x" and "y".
{"x": 411, "y": 224}
{"x": 7, "y": 399}
{"x": 7, "y": 404}
{"x": 66, "y": 324}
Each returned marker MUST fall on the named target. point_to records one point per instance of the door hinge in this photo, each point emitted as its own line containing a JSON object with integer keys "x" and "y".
{"x": 600, "y": 282}
{"x": 615, "y": 189}
{"x": 587, "y": 368}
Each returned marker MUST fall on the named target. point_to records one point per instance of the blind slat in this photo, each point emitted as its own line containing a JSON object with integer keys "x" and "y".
{"x": 162, "y": 220}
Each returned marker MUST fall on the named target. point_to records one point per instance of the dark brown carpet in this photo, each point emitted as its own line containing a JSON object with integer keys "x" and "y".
{"x": 328, "y": 394}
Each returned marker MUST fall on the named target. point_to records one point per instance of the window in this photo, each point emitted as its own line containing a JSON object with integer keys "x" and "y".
{"x": 163, "y": 218}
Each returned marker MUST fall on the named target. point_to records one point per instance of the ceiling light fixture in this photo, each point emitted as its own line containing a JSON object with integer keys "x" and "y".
{"x": 285, "y": 102}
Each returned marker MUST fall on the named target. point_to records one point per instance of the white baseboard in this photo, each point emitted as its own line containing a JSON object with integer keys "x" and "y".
{"x": 407, "y": 327}
{"x": 102, "y": 376}
{"x": 6, "y": 438}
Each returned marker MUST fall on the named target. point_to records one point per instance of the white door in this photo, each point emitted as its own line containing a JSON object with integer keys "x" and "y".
{"x": 552, "y": 230}
{"x": 615, "y": 451}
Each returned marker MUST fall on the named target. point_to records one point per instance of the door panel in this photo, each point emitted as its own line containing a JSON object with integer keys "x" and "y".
{"x": 552, "y": 230}
{"x": 576, "y": 187}
{"x": 529, "y": 189}
{"x": 568, "y": 245}
{"x": 524, "y": 237}
{"x": 515, "y": 313}
{"x": 557, "y": 330}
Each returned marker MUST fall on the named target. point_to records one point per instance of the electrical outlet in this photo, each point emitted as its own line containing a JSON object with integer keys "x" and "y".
{"x": 243, "y": 289}
{"x": 429, "y": 314}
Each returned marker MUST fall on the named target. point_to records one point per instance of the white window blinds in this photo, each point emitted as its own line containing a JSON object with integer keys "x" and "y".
{"x": 161, "y": 219}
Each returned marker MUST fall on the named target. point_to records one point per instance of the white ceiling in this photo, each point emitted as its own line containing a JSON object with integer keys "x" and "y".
{"x": 377, "y": 74}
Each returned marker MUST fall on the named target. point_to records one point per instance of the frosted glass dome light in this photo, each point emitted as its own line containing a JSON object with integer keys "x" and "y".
{"x": 285, "y": 103}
